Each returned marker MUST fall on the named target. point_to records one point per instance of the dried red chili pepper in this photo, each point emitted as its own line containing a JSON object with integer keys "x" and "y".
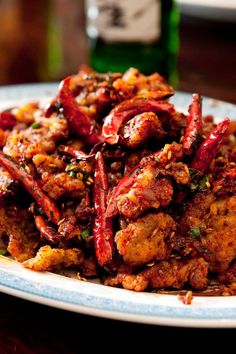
{"x": 78, "y": 154}
{"x": 127, "y": 109}
{"x": 7, "y": 120}
{"x": 209, "y": 148}
{"x": 194, "y": 124}
{"x": 32, "y": 186}
{"x": 81, "y": 124}
{"x": 46, "y": 231}
{"x": 102, "y": 228}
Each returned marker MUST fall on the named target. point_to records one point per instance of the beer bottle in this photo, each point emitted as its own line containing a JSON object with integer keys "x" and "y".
{"x": 133, "y": 33}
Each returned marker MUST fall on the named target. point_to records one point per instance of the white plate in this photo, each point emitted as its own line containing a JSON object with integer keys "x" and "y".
{"x": 224, "y": 10}
{"x": 96, "y": 299}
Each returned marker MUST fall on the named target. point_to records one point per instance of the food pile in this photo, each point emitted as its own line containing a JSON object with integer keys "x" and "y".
{"x": 111, "y": 180}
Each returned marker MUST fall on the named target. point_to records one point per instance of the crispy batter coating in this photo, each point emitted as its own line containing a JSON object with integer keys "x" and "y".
{"x": 95, "y": 92}
{"x": 142, "y": 128}
{"x": 17, "y": 225}
{"x": 89, "y": 267}
{"x": 179, "y": 171}
{"x": 59, "y": 184}
{"x": 165, "y": 274}
{"x": 144, "y": 240}
{"x": 48, "y": 258}
{"x": 215, "y": 220}
{"x": 24, "y": 144}
{"x": 220, "y": 242}
{"x": 176, "y": 273}
{"x": 135, "y": 83}
{"x": 195, "y": 212}
{"x": 55, "y": 181}
{"x": 225, "y": 184}
{"x": 147, "y": 192}
{"x": 128, "y": 281}
{"x": 48, "y": 163}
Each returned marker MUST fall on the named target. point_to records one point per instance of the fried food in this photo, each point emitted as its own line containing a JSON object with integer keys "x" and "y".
{"x": 111, "y": 179}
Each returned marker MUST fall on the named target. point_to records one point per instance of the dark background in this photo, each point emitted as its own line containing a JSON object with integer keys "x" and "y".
{"x": 28, "y": 328}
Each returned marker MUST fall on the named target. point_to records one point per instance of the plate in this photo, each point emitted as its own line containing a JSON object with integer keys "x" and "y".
{"x": 93, "y": 298}
{"x": 224, "y": 10}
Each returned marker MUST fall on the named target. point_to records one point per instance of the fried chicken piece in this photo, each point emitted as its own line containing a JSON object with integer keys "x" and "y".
{"x": 169, "y": 153}
{"x": 152, "y": 186}
{"x": 225, "y": 184}
{"x": 140, "y": 129}
{"x": 147, "y": 192}
{"x": 144, "y": 240}
{"x": 128, "y": 281}
{"x": 195, "y": 212}
{"x": 165, "y": 274}
{"x": 176, "y": 273}
{"x": 17, "y": 225}
{"x": 95, "y": 92}
{"x": 69, "y": 228}
{"x": 26, "y": 112}
{"x": 48, "y": 163}
{"x": 229, "y": 276}
{"x": 48, "y": 258}
{"x": 59, "y": 184}
{"x": 220, "y": 242}
{"x": 179, "y": 171}
{"x": 134, "y": 158}
{"x": 55, "y": 178}
{"x": 214, "y": 219}
{"x": 89, "y": 267}
{"x": 26, "y": 143}
{"x": 135, "y": 83}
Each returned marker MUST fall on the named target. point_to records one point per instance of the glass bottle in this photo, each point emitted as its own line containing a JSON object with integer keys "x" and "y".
{"x": 133, "y": 33}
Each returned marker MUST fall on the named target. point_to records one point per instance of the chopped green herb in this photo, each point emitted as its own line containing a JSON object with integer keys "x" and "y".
{"x": 193, "y": 187}
{"x": 71, "y": 167}
{"x": 35, "y": 125}
{"x": 203, "y": 184}
{"x": 72, "y": 174}
{"x": 85, "y": 234}
{"x": 195, "y": 232}
{"x": 3, "y": 251}
{"x": 85, "y": 174}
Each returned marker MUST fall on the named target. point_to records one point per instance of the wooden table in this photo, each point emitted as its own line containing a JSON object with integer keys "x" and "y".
{"x": 206, "y": 64}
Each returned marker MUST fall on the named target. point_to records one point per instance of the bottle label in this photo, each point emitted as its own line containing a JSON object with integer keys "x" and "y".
{"x": 124, "y": 20}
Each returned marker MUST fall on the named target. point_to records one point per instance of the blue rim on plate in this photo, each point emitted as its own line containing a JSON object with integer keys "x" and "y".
{"x": 95, "y": 299}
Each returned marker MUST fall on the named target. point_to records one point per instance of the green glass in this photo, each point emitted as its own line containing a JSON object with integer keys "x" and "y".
{"x": 159, "y": 55}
